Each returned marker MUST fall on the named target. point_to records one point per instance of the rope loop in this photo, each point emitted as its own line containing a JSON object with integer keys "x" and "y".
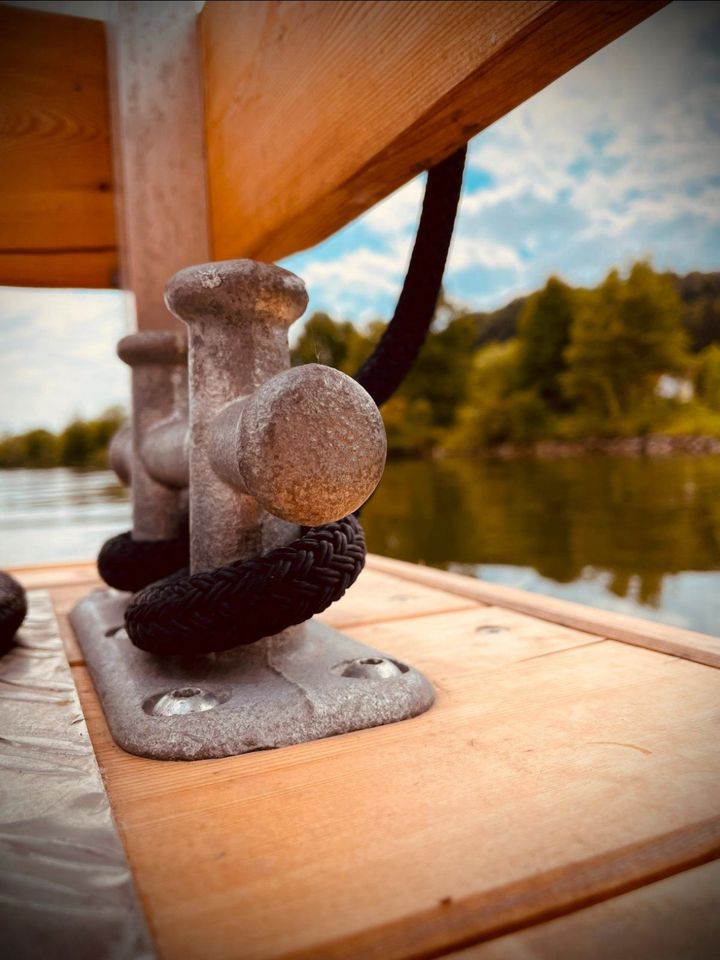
{"x": 244, "y": 601}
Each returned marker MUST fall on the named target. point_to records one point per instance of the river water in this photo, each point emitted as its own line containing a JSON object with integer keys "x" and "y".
{"x": 640, "y": 536}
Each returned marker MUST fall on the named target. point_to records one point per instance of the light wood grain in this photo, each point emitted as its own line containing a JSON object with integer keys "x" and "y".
{"x": 554, "y": 771}
{"x": 315, "y": 111}
{"x": 675, "y": 641}
{"x": 379, "y": 598}
{"x": 56, "y": 213}
{"x": 159, "y": 154}
{"x": 674, "y": 918}
{"x": 42, "y": 576}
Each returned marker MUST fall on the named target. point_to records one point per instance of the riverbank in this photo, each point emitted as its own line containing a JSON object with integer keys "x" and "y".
{"x": 652, "y": 445}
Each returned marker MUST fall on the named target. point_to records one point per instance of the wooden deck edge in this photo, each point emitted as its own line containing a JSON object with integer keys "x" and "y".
{"x": 675, "y": 641}
{"x": 45, "y": 576}
{"x": 535, "y": 899}
{"x": 20, "y": 568}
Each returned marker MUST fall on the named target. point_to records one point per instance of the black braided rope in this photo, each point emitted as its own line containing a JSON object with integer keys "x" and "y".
{"x": 247, "y": 600}
{"x": 391, "y": 360}
{"x": 128, "y": 564}
{"x": 13, "y": 609}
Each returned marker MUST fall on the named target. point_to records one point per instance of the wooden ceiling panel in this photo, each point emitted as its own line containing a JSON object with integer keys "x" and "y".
{"x": 56, "y": 206}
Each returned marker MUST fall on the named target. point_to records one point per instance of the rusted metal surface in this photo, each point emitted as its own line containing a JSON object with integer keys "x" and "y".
{"x": 66, "y": 890}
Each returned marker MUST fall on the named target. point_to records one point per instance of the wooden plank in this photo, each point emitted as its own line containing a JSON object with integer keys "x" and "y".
{"x": 159, "y": 156}
{"x": 42, "y": 576}
{"x": 674, "y": 918}
{"x": 662, "y": 637}
{"x": 315, "y": 111}
{"x": 379, "y": 597}
{"x": 554, "y": 771}
{"x": 56, "y": 211}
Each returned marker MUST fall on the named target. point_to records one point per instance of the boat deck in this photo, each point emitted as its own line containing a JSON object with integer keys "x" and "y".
{"x": 560, "y": 799}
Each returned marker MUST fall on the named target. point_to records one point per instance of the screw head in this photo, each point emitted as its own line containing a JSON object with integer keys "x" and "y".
{"x": 178, "y": 702}
{"x": 369, "y": 668}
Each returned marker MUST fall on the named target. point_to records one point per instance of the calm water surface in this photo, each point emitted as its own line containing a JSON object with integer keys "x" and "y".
{"x": 635, "y": 535}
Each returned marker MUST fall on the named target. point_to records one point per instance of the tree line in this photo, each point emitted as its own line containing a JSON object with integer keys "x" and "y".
{"x": 82, "y": 444}
{"x": 561, "y": 364}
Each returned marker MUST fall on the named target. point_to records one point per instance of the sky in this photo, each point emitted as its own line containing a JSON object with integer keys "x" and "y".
{"x": 617, "y": 160}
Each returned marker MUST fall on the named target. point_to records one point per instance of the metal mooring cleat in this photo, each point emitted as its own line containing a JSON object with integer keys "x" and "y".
{"x": 261, "y": 449}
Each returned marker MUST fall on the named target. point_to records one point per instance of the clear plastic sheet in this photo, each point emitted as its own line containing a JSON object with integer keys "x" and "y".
{"x": 66, "y": 889}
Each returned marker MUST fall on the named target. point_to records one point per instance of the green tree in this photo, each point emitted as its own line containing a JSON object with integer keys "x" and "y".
{"x": 41, "y": 449}
{"x": 75, "y": 444}
{"x": 36, "y": 448}
{"x": 493, "y": 412}
{"x": 544, "y": 335}
{"x": 324, "y": 340}
{"x": 439, "y": 376}
{"x": 707, "y": 377}
{"x": 624, "y": 336}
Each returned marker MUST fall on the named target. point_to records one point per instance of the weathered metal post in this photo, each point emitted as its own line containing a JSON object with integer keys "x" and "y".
{"x": 158, "y": 360}
{"x": 268, "y": 448}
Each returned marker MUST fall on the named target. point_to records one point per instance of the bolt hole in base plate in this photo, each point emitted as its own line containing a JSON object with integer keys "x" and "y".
{"x": 306, "y": 683}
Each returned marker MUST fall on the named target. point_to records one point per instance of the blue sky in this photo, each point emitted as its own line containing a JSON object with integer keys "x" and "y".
{"x": 619, "y": 159}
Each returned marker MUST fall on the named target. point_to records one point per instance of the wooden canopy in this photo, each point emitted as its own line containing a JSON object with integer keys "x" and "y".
{"x": 254, "y": 129}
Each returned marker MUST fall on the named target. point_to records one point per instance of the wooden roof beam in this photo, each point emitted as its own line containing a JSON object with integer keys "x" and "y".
{"x": 315, "y": 111}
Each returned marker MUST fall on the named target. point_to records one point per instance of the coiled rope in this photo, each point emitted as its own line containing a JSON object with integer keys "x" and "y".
{"x": 13, "y": 609}
{"x": 244, "y": 601}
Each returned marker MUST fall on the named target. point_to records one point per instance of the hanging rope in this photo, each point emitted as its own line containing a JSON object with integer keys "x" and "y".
{"x": 247, "y": 600}
{"x": 13, "y": 609}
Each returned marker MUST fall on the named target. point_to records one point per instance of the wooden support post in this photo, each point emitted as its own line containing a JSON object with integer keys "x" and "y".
{"x": 159, "y": 161}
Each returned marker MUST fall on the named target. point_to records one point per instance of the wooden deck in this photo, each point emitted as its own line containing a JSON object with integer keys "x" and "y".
{"x": 560, "y": 799}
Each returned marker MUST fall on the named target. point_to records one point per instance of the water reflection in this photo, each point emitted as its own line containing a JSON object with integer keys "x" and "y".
{"x": 57, "y": 515}
{"x": 591, "y": 528}
{"x": 642, "y": 536}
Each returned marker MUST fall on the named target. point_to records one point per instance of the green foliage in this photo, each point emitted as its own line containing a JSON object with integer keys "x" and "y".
{"x": 624, "y": 336}
{"x": 338, "y": 345}
{"x": 83, "y": 443}
{"x": 409, "y": 426}
{"x": 440, "y": 373}
{"x": 700, "y": 296}
{"x": 495, "y": 411}
{"x": 707, "y": 376}
{"x": 544, "y": 335}
{"x": 560, "y": 364}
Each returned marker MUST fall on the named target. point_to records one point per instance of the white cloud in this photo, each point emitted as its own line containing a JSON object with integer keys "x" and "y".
{"x": 397, "y": 213}
{"x": 58, "y": 357}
